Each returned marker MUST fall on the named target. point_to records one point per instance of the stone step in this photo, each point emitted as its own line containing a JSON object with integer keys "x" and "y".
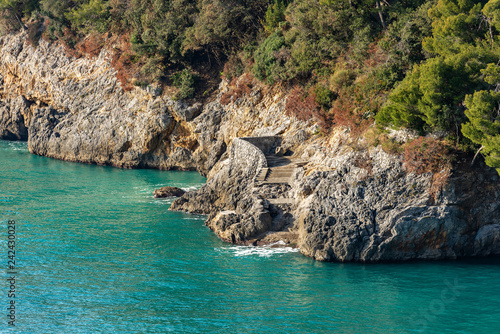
{"x": 262, "y": 174}
{"x": 284, "y": 180}
{"x": 282, "y": 170}
{"x": 273, "y": 161}
{"x": 281, "y": 201}
{"x": 279, "y": 175}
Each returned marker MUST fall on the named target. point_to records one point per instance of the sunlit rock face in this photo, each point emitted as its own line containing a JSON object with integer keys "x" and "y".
{"x": 343, "y": 200}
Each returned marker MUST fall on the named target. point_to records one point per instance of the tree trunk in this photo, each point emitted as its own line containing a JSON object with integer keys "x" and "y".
{"x": 380, "y": 14}
{"x": 20, "y": 22}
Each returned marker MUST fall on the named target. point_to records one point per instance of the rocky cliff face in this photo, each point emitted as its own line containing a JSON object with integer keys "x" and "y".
{"x": 338, "y": 209}
{"x": 74, "y": 109}
{"x": 342, "y": 201}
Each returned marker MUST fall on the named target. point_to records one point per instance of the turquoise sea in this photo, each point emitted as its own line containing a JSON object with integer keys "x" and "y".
{"x": 96, "y": 253}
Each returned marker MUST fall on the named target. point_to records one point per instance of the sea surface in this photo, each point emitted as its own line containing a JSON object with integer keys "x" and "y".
{"x": 96, "y": 253}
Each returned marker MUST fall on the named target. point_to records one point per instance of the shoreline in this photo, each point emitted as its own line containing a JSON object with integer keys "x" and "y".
{"x": 335, "y": 196}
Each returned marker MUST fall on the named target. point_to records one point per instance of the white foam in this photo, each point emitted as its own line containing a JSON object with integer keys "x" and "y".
{"x": 18, "y": 146}
{"x": 193, "y": 187}
{"x": 196, "y": 217}
{"x": 182, "y": 186}
{"x": 161, "y": 201}
{"x": 261, "y": 251}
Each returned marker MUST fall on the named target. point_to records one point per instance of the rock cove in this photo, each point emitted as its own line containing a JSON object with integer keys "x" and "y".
{"x": 331, "y": 206}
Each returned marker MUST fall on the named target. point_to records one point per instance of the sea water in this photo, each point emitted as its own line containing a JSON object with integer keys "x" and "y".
{"x": 96, "y": 253}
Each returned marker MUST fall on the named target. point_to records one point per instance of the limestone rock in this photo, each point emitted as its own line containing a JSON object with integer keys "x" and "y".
{"x": 168, "y": 192}
{"x": 331, "y": 208}
{"x": 13, "y": 124}
{"x": 75, "y": 109}
{"x": 343, "y": 212}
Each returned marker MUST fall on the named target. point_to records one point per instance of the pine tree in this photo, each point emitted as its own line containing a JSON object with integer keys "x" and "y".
{"x": 483, "y": 128}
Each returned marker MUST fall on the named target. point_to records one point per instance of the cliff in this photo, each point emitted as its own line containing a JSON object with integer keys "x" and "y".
{"x": 345, "y": 200}
{"x": 270, "y": 176}
{"x": 75, "y": 110}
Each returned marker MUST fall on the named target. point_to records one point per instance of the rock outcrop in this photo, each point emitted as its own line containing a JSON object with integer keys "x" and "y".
{"x": 12, "y": 118}
{"x": 335, "y": 208}
{"x": 75, "y": 109}
{"x": 331, "y": 206}
{"x": 350, "y": 213}
{"x": 168, "y": 192}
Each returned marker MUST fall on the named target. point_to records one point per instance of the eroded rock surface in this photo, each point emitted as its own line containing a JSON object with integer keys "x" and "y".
{"x": 335, "y": 210}
{"x": 168, "y": 192}
{"x": 12, "y": 118}
{"x": 333, "y": 207}
{"x": 75, "y": 109}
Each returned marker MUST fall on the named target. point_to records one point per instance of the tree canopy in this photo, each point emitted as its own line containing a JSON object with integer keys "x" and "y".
{"x": 428, "y": 65}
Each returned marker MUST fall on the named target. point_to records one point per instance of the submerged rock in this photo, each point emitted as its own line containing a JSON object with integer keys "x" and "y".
{"x": 168, "y": 192}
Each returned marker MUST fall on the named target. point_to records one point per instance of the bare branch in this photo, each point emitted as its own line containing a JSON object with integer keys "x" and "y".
{"x": 475, "y": 156}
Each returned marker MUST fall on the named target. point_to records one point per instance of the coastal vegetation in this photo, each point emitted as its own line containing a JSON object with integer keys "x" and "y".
{"x": 427, "y": 65}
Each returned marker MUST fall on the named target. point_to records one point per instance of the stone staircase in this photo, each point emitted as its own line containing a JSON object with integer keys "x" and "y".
{"x": 279, "y": 170}
{"x": 261, "y": 177}
{"x": 277, "y": 161}
{"x": 278, "y": 201}
{"x": 279, "y": 175}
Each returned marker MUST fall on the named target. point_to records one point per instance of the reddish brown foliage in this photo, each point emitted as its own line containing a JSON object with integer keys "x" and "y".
{"x": 237, "y": 88}
{"x": 346, "y": 113}
{"x": 122, "y": 63}
{"x": 232, "y": 68}
{"x": 123, "y": 60}
{"x": 424, "y": 155}
{"x": 91, "y": 45}
{"x": 375, "y": 57}
{"x": 439, "y": 180}
{"x": 45, "y": 35}
{"x": 304, "y": 107}
{"x": 355, "y": 106}
{"x": 69, "y": 40}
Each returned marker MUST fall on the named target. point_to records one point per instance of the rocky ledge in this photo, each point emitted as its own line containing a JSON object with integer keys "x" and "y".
{"x": 349, "y": 213}
{"x": 336, "y": 198}
{"x": 168, "y": 192}
{"x": 75, "y": 109}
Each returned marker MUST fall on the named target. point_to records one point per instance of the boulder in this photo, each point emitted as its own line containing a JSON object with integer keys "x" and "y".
{"x": 168, "y": 192}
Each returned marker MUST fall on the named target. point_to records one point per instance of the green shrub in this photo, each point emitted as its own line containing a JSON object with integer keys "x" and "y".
{"x": 12, "y": 11}
{"x": 153, "y": 68}
{"x": 324, "y": 96}
{"x": 430, "y": 97}
{"x": 185, "y": 80}
{"x": 91, "y": 16}
{"x": 274, "y": 15}
{"x": 270, "y": 59}
{"x": 483, "y": 127}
